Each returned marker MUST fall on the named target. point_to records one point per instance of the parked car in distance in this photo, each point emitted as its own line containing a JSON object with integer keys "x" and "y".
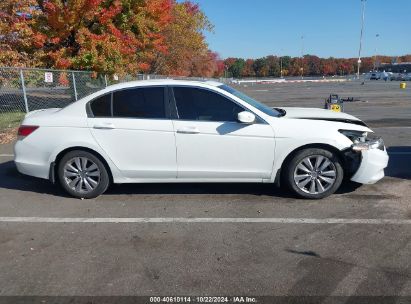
{"x": 184, "y": 131}
{"x": 400, "y": 76}
{"x": 375, "y": 76}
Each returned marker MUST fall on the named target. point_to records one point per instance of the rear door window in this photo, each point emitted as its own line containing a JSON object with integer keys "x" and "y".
{"x": 139, "y": 103}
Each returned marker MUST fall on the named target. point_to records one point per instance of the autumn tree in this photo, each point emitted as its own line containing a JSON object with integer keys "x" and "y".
{"x": 273, "y": 65}
{"x": 228, "y": 63}
{"x": 110, "y": 36}
{"x": 313, "y": 65}
{"x": 405, "y": 58}
{"x": 186, "y": 45}
{"x": 285, "y": 63}
{"x": 18, "y": 38}
{"x": 261, "y": 67}
{"x": 248, "y": 70}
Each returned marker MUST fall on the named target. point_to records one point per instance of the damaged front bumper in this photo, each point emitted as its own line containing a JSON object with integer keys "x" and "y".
{"x": 374, "y": 159}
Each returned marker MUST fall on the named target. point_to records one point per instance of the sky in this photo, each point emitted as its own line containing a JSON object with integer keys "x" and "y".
{"x": 256, "y": 28}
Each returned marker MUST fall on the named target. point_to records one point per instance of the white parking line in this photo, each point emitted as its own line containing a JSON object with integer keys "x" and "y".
{"x": 6, "y": 155}
{"x": 204, "y": 220}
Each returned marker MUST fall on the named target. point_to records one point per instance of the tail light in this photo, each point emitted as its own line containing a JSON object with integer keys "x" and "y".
{"x": 26, "y": 130}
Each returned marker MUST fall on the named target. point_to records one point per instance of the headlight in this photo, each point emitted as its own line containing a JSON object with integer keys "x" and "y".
{"x": 355, "y": 136}
{"x": 363, "y": 140}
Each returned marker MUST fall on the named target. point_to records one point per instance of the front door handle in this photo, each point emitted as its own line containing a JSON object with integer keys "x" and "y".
{"x": 104, "y": 126}
{"x": 188, "y": 130}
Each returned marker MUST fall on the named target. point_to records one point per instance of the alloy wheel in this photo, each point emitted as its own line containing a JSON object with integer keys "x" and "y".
{"x": 315, "y": 174}
{"x": 81, "y": 174}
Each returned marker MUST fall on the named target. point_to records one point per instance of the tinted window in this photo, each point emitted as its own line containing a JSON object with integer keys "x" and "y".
{"x": 139, "y": 103}
{"x": 101, "y": 106}
{"x": 200, "y": 104}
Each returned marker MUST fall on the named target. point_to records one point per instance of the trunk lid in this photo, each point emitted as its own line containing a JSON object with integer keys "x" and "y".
{"x": 42, "y": 112}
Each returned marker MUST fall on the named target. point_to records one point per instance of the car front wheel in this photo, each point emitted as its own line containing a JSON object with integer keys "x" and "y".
{"x": 82, "y": 174}
{"x": 314, "y": 173}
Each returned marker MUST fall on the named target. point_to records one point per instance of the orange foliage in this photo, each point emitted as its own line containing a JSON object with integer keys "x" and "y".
{"x": 106, "y": 36}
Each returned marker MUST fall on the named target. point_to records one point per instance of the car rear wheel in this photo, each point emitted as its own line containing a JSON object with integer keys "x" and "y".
{"x": 82, "y": 174}
{"x": 314, "y": 173}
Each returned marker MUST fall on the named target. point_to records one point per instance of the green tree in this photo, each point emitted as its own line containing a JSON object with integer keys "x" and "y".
{"x": 236, "y": 69}
{"x": 273, "y": 64}
{"x": 261, "y": 67}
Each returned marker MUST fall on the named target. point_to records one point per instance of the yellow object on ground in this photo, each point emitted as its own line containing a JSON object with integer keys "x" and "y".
{"x": 403, "y": 85}
{"x": 335, "y": 108}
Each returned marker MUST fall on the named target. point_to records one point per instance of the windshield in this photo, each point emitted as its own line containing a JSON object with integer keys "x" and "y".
{"x": 258, "y": 105}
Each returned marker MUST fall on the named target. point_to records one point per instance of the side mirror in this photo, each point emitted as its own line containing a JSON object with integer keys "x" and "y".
{"x": 246, "y": 117}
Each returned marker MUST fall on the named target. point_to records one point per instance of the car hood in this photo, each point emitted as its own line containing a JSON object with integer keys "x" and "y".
{"x": 321, "y": 114}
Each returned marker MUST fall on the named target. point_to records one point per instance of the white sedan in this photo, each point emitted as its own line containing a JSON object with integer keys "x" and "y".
{"x": 183, "y": 131}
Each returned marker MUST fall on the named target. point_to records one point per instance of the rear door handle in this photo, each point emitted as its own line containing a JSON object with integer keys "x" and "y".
{"x": 188, "y": 130}
{"x": 105, "y": 126}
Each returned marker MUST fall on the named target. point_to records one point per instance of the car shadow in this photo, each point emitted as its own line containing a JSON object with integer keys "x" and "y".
{"x": 348, "y": 187}
{"x": 10, "y": 178}
{"x": 200, "y": 188}
{"x": 257, "y": 189}
{"x": 399, "y": 165}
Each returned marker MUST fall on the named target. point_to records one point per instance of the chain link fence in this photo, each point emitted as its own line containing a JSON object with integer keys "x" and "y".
{"x": 23, "y": 90}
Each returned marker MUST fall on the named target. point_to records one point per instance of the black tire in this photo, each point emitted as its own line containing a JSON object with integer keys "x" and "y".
{"x": 102, "y": 182}
{"x": 312, "y": 154}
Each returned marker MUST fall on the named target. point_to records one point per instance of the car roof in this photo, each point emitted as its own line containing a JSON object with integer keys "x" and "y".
{"x": 154, "y": 82}
{"x": 75, "y": 106}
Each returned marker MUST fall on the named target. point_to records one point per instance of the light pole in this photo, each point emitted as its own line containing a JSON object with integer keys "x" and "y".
{"x": 361, "y": 34}
{"x": 281, "y": 63}
{"x": 302, "y": 56}
{"x": 281, "y": 66}
{"x": 376, "y": 47}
